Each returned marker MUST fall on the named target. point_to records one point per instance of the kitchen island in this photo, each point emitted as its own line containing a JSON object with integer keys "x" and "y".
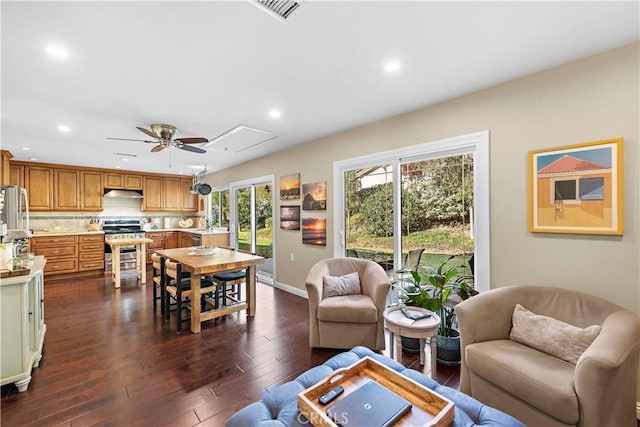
{"x": 140, "y": 245}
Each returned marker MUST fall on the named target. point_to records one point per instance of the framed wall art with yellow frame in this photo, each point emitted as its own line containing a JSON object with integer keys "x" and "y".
{"x": 577, "y": 188}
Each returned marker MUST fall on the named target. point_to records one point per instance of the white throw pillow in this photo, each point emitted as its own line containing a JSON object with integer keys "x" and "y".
{"x": 552, "y": 336}
{"x": 333, "y": 286}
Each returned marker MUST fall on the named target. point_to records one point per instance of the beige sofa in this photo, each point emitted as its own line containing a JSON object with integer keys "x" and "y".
{"x": 349, "y": 320}
{"x": 539, "y": 389}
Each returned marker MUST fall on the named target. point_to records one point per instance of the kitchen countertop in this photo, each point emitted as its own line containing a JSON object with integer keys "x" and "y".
{"x": 188, "y": 230}
{"x": 42, "y": 233}
{"x": 58, "y": 233}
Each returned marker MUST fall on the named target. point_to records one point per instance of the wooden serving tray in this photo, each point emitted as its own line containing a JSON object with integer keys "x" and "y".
{"x": 429, "y": 408}
{"x": 10, "y": 273}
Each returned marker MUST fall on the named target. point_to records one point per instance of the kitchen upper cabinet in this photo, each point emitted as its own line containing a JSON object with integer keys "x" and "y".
{"x": 5, "y": 167}
{"x": 172, "y": 194}
{"x": 152, "y": 192}
{"x": 66, "y": 189}
{"x": 133, "y": 182}
{"x": 91, "y": 191}
{"x": 122, "y": 181}
{"x": 16, "y": 175}
{"x": 189, "y": 201}
{"x": 39, "y": 184}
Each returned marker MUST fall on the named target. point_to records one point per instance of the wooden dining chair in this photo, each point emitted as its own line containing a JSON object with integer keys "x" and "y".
{"x": 178, "y": 288}
{"x": 229, "y": 283}
{"x": 158, "y": 279}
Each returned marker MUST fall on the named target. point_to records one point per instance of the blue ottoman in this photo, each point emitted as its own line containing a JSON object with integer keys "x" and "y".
{"x": 279, "y": 406}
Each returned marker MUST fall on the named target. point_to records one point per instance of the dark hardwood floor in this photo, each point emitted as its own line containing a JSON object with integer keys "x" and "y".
{"x": 109, "y": 359}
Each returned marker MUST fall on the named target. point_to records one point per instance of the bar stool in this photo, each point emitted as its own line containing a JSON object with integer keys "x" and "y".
{"x": 178, "y": 288}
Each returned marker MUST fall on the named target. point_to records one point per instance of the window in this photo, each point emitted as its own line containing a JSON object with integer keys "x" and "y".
{"x": 592, "y": 188}
{"x": 565, "y": 190}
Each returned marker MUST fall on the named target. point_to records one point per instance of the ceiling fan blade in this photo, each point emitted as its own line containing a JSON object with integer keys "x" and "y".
{"x": 146, "y": 131}
{"x": 192, "y": 149}
{"x": 194, "y": 140}
{"x": 128, "y": 139}
{"x": 158, "y": 147}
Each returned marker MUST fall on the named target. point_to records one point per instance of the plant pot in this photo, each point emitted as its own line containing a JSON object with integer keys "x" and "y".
{"x": 411, "y": 345}
{"x": 448, "y": 349}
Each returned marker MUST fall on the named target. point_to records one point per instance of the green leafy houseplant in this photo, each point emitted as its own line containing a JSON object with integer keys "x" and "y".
{"x": 438, "y": 290}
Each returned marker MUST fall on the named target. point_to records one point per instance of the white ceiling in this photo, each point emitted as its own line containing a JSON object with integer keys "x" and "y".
{"x": 207, "y": 67}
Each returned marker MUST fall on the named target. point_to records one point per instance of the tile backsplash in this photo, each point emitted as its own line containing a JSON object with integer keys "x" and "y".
{"x": 114, "y": 208}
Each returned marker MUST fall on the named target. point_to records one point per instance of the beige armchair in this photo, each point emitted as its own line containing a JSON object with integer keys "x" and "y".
{"x": 348, "y": 320}
{"x": 535, "y": 387}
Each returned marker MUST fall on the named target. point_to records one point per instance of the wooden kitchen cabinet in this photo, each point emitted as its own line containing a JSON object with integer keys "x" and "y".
{"x": 189, "y": 201}
{"x": 172, "y": 195}
{"x": 91, "y": 191}
{"x": 185, "y": 239}
{"x": 5, "y": 167}
{"x": 61, "y": 253}
{"x": 122, "y": 181}
{"x": 39, "y": 184}
{"x": 170, "y": 239}
{"x": 90, "y": 252}
{"x": 158, "y": 243}
{"x": 16, "y": 175}
{"x": 66, "y": 190}
{"x": 152, "y": 192}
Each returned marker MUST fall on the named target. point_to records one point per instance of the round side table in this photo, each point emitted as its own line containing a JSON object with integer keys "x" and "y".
{"x": 400, "y": 326}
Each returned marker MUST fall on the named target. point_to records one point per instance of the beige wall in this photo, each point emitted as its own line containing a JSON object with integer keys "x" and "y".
{"x": 591, "y": 99}
{"x": 587, "y": 100}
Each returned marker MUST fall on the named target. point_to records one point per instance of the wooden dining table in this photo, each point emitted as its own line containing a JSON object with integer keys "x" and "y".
{"x": 221, "y": 260}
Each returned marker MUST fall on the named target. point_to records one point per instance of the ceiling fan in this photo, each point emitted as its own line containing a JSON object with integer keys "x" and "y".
{"x": 163, "y": 136}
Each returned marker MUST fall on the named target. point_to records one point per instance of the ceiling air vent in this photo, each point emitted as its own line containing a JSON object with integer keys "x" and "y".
{"x": 239, "y": 139}
{"x": 281, "y": 9}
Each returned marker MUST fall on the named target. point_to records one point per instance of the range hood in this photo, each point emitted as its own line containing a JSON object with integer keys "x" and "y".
{"x": 125, "y": 194}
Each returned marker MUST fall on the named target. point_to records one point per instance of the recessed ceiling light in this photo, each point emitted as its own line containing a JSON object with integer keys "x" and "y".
{"x": 391, "y": 67}
{"x": 275, "y": 114}
{"x": 117, "y": 166}
{"x": 57, "y": 51}
{"x": 26, "y": 148}
{"x": 32, "y": 158}
{"x": 125, "y": 160}
{"x": 64, "y": 128}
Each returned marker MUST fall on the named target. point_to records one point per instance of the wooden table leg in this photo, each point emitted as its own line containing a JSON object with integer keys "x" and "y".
{"x": 143, "y": 263}
{"x": 250, "y": 283}
{"x": 195, "y": 303}
{"x": 115, "y": 265}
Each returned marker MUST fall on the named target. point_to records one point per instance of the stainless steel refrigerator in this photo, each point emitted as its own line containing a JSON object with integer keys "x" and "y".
{"x": 14, "y": 213}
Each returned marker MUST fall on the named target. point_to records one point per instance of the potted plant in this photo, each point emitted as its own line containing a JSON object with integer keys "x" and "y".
{"x": 438, "y": 290}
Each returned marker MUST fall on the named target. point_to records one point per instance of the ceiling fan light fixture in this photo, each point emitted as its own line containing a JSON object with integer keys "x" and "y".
{"x": 282, "y": 10}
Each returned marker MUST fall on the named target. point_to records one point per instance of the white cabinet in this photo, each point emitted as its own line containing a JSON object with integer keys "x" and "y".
{"x": 22, "y": 326}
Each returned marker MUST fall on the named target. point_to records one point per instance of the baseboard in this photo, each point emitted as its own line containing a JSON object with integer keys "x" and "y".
{"x": 638, "y": 410}
{"x": 291, "y": 289}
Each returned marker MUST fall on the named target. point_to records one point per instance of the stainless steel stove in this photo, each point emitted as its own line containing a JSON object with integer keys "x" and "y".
{"x": 121, "y": 229}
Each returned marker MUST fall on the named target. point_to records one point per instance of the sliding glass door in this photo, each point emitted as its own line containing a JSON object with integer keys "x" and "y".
{"x": 437, "y": 212}
{"x": 251, "y": 221}
{"x": 368, "y": 214}
{"x": 417, "y": 206}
